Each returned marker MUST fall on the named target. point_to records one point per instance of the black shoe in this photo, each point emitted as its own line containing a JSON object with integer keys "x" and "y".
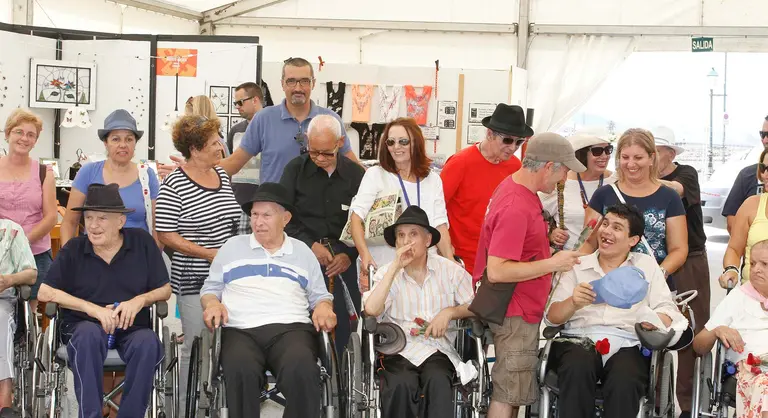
{"x": 685, "y": 414}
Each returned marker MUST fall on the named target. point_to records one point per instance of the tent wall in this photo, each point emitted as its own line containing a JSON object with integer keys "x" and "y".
{"x": 5, "y": 10}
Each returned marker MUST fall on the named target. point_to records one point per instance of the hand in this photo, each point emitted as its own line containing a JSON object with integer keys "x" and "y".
{"x": 4, "y": 282}
{"x": 125, "y": 313}
{"x": 323, "y": 316}
{"x": 211, "y": 254}
{"x": 340, "y": 264}
{"x": 164, "y": 169}
{"x": 323, "y": 255}
{"x": 665, "y": 319}
{"x": 730, "y": 338}
{"x": 403, "y": 256}
{"x": 558, "y": 237}
{"x": 729, "y": 276}
{"x": 104, "y": 315}
{"x": 215, "y": 316}
{"x": 439, "y": 324}
{"x": 564, "y": 261}
{"x": 365, "y": 261}
{"x": 583, "y": 295}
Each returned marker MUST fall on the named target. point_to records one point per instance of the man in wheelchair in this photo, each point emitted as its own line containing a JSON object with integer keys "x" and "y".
{"x": 261, "y": 288}
{"x": 419, "y": 286}
{"x": 104, "y": 282}
{"x": 740, "y": 323}
{"x": 17, "y": 267}
{"x": 580, "y": 302}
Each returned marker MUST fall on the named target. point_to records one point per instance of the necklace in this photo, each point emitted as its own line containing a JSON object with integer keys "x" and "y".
{"x": 584, "y": 197}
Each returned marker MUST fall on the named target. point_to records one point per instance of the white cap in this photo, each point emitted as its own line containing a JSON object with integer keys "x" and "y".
{"x": 665, "y": 137}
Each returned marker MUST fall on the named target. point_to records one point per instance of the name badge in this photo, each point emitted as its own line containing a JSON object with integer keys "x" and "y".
{"x": 344, "y": 207}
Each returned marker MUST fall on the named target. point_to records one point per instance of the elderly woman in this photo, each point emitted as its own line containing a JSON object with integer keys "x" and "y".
{"x": 638, "y": 185}
{"x": 203, "y": 106}
{"x": 749, "y": 227}
{"x": 740, "y": 322}
{"x": 196, "y": 214}
{"x": 403, "y": 165}
{"x": 28, "y": 190}
{"x": 573, "y": 197}
{"x": 138, "y": 183}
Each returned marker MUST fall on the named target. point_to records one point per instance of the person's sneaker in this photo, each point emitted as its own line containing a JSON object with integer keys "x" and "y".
{"x": 685, "y": 414}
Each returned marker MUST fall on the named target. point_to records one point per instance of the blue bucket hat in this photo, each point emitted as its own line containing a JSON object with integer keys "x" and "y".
{"x": 119, "y": 119}
{"x": 621, "y": 288}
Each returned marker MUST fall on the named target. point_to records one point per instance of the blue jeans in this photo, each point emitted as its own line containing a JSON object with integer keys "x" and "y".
{"x": 43, "y": 261}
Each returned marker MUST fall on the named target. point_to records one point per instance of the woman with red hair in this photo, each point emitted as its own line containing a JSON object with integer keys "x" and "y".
{"x": 403, "y": 165}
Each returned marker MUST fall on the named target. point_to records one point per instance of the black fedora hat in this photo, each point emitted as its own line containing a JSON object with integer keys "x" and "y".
{"x": 508, "y": 119}
{"x": 414, "y": 215}
{"x": 104, "y": 198}
{"x": 268, "y": 192}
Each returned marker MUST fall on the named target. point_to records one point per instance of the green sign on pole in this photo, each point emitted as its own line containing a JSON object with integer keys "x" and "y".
{"x": 702, "y": 45}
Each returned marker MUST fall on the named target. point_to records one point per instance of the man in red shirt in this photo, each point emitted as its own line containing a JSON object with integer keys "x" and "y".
{"x": 515, "y": 246}
{"x": 471, "y": 175}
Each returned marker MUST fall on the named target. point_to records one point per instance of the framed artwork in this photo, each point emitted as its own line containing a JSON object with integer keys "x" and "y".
{"x": 57, "y": 84}
{"x": 224, "y": 120}
{"x": 53, "y": 164}
{"x": 221, "y": 99}
{"x": 234, "y": 120}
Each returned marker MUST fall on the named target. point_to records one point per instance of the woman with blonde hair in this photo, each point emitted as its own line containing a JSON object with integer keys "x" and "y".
{"x": 203, "y": 106}
{"x": 638, "y": 185}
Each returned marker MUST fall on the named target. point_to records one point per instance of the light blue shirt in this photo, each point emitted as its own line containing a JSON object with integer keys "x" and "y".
{"x": 132, "y": 195}
{"x": 272, "y": 133}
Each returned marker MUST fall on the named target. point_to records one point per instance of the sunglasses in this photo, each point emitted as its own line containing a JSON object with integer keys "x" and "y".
{"x": 509, "y": 140}
{"x": 402, "y": 141}
{"x": 301, "y": 138}
{"x": 239, "y": 103}
{"x": 763, "y": 134}
{"x": 326, "y": 154}
{"x": 598, "y": 151}
{"x": 762, "y": 168}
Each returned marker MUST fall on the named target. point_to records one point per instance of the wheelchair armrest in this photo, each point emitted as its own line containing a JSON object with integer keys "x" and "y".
{"x": 24, "y": 292}
{"x": 370, "y": 323}
{"x": 476, "y": 328}
{"x": 51, "y": 308}
{"x": 654, "y": 340}
{"x": 327, "y": 351}
{"x": 544, "y": 359}
{"x": 551, "y": 332}
{"x": 161, "y": 308}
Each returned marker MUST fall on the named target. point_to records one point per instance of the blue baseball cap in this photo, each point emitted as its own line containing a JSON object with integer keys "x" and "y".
{"x": 621, "y": 288}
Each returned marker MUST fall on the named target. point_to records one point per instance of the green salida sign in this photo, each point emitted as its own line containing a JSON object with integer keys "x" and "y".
{"x": 702, "y": 44}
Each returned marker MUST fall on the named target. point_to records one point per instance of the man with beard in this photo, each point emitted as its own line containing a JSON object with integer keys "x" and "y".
{"x": 746, "y": 184}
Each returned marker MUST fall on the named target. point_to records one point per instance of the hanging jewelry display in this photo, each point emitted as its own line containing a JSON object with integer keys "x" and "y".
{"x": 172, "y": 117}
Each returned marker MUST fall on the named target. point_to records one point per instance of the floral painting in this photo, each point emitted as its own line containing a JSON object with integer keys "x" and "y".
{"x": 58, "y": 84}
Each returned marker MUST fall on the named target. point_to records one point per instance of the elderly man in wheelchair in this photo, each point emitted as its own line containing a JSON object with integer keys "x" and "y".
{"x": 105, "y": 282}
{"x": 17, "y": 267}
{"x": 261, "y": 289}
{"x": 422, "y": 293}
{"x": 739, "y": 326}
{"x": 599, "y": 305}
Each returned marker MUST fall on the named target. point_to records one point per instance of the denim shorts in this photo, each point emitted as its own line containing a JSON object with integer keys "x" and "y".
{"x": 43, "y": 262}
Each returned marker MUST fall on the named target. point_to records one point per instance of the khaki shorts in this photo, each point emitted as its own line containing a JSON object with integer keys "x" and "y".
{"x": 514, "y": 373}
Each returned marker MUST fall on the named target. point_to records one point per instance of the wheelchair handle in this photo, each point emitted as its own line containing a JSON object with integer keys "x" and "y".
{"x": 551, "y": 332}
{"x": 51, "y": 308}
{"x": 686, "y": 297}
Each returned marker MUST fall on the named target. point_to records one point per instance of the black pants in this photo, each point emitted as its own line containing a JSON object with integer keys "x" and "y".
{"x": 408, "y": 391}
{"x": 289, "y": 351}
{"x": 344, "y": 324}
{"x": 624, "y": 380}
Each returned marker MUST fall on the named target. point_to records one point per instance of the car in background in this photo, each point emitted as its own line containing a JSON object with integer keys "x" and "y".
{"x": 716, "y": 189}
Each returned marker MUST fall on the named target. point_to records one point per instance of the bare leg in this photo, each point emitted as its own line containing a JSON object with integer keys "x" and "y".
{"x": 502, "y": 410}
{"x": 6, "y": 393}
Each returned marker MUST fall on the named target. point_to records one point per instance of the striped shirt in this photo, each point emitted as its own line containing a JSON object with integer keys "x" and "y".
{"x": 203, "y": 216}
{"x": 447, "y": 285}
{"x": 259, "y": 288}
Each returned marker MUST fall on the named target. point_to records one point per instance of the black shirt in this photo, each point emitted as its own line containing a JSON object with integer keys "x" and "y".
{"x": 137, "y": 268}
{"x": 689, "y": 178}
{"x": 746, "y": 185}
{"x": 321, "y": 201}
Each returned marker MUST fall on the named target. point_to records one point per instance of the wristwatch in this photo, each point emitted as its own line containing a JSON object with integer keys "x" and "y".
{"x": 664, "y": 271}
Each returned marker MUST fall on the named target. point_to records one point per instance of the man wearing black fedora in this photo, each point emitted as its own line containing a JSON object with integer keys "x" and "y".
{"x": 471, "y": 175}
{"x": 111, "y": 264}
{"x": 262, "y": 288}
{"x": 419, "y": 286}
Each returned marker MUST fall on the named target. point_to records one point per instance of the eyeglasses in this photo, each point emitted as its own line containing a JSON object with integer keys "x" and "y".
{"x": 598, "y": 151}
{"x": 305, "y": 82}
{"x": 326, "y": 154}
{"x": 29, "y": 135}
{"x": 239, "y": 103}
{"x": 762, "y": 168}
{"x": 402, "y": 141}
{"x": 763, "y": 134}
{"x": 301, "y": 138}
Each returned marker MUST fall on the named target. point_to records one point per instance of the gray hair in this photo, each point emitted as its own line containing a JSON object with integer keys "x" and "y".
{"x": 325, "y": 122}
{"x": 535, "y": 165}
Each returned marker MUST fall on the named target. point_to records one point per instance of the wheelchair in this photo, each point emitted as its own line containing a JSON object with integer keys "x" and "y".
{"x": 26, "y": 338}
{"x": 206, "y": 391}
{"x": 714, "y": 385}
{"x": 359, "y": 377}
{"x": 52, "y": 358}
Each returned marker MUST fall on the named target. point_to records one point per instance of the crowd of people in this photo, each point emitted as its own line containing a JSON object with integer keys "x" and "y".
{"x": 276, "y": 264}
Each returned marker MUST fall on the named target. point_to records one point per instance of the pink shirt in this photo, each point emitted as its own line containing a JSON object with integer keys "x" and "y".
{"x": 22, "y": 202}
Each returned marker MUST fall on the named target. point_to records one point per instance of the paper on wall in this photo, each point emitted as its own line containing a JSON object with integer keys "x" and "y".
{"x": 478, "y": 111}
{"x": 446, "y": 114}
{"x": 475, "y": 133}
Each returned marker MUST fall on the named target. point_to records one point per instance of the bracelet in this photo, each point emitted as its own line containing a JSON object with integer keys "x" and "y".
{"x": 731, "y": 268}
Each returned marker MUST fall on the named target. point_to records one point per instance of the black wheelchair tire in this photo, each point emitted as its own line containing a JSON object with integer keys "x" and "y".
{"x": 702, "y": 372}
{"x": 352, "y": 377}
{"x": 193, "y": 378}
{"x": 667, "y": 392}
{"x": 204, "y": 379}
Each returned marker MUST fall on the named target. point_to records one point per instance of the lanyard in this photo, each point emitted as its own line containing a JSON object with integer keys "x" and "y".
{"x": 405, "y": 194}
{"x": 584, "y": 197}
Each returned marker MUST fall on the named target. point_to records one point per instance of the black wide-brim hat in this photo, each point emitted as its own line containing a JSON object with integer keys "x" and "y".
{"x": 104, "y": 198}
{"x": 414, "y": 215}
{"x": 269, "y": 192}
{"x": 509, "y": 120}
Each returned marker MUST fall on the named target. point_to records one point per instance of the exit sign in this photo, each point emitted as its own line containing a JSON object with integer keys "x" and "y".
{"x": 702, "y": 45}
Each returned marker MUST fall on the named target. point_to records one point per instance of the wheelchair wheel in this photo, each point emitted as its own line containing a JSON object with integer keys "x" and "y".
{"x": 204, "y": 379}
{"x": 193, "y": 378}
{"x": 352, "y": 377}
{"x": 702, "y": 375}
{"x": 667, "y": 392}
{"x": 44, "y": 376}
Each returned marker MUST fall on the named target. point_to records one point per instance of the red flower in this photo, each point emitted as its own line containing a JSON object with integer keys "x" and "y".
{"x": 420, "y": 322}
{"x": 755, "y": 370}
{"x": 603, "y": 346}
{"x": 592, "y": 223}
{"x": 415, "y": 332}
{"x": 753, "y": 360}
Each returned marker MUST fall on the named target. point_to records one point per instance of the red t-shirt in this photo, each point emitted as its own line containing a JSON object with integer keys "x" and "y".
{"x": 514, "y": 229}
{"x": 468, "y": 183}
